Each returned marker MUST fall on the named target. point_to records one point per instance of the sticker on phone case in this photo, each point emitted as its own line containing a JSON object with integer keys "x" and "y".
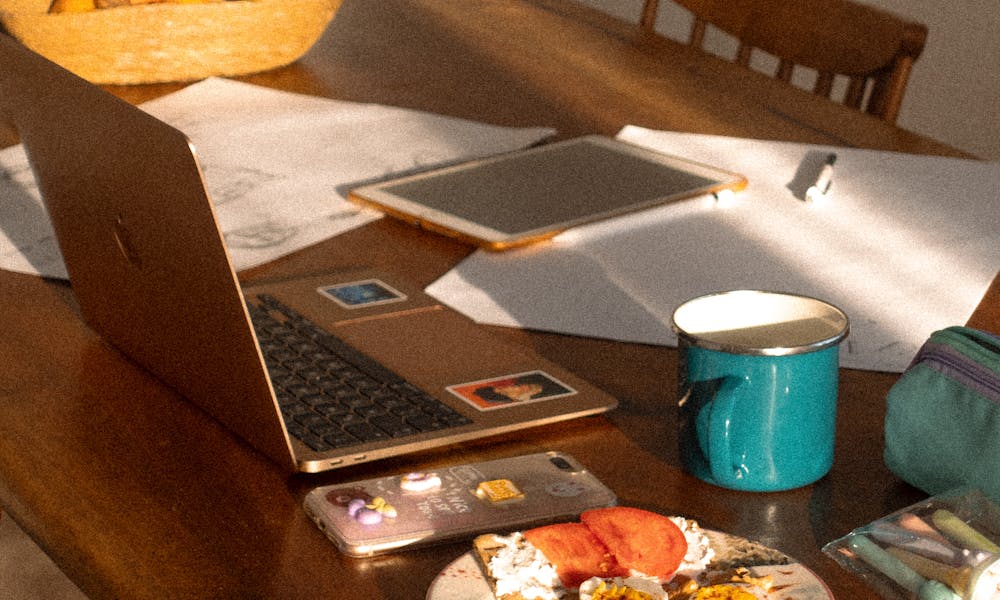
{"x": 371, "y": 511}
{"x": 511, "y": 390}
{"x": 499, "y": 491}
{"x": 365, "y": 293}
{"x": 420, "y": 482}
{"x": 362, "y": 506}
{"x": 566, "y": 489}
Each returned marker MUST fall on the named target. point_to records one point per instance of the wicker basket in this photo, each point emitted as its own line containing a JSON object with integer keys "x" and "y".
{"x": 150, "y": 43}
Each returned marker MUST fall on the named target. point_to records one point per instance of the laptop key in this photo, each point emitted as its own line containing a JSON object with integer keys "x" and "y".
{"x": 393, "y": 425}
{"x": 316, "y": 443}
{"x": 407, "y": 389}
{"x": 331, "y": 410}
{"x": 294, "y": 410}
{"x": 340, "y": 439}
{"x": 366, "y": 432}
{"x": 312, "y": 421}
{"x": 424, "y": 422}
{"x": 314, "y": 400}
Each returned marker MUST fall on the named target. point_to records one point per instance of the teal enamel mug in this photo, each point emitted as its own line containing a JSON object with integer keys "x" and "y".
{"x": 757, "y": 388}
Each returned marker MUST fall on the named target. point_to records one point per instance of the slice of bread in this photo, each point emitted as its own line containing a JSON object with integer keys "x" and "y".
{"x": 732, "y": 552}
{"x": 485, "y": 548}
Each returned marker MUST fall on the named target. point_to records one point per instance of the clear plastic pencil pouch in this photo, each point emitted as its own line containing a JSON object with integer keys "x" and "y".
{"x": 942, "y": 423}
{"x": 944, "y": 548}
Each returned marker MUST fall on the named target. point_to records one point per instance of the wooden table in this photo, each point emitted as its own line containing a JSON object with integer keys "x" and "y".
{"x": 136, "y": 494}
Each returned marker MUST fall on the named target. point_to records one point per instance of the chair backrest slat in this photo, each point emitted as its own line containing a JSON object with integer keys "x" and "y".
{"x": 697, "y": 38}
{"x": 785, "y": 68}
{"x": 824, "y": 84}
{"x": 855, "y": 92}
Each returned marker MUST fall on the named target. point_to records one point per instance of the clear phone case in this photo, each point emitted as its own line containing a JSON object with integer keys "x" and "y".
{"x": 375, "y": 516}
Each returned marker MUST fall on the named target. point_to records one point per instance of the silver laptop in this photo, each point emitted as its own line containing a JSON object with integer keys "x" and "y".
{"x": 336, "y": 368}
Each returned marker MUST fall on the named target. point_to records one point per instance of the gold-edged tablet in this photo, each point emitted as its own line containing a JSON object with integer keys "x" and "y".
{"x": 530, "y": 195}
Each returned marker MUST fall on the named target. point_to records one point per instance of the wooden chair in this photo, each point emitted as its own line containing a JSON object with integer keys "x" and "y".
{"x": 833, "y": 37}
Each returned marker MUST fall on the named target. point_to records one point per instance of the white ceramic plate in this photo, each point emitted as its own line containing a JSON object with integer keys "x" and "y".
{"x": 463, "y": 580}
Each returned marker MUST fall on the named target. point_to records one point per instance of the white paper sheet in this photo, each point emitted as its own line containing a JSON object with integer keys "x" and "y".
{"x": 904, "y": 244}
{"x": 277, "y": 166}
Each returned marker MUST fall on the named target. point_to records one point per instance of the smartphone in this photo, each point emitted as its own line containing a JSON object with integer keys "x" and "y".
{"x": 375, "y": 516}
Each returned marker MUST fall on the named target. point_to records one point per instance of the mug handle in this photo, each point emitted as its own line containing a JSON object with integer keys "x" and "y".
{"x": 719, "y": 420}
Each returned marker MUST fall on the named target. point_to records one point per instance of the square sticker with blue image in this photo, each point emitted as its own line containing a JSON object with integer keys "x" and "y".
{"x": 359, "y": 294}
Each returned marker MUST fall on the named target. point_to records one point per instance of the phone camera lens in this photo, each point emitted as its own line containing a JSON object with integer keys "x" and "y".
{"x": 561, "y": 463}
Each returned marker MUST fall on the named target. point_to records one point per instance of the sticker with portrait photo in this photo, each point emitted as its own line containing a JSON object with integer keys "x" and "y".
{"x": 511, "y": 390}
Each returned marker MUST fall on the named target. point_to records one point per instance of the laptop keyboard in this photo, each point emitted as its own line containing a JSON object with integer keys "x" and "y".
{"x": 333, "y": 396}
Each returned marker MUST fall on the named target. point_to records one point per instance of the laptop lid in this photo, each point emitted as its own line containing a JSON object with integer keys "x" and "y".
{"x": 149, "y": 267}
{"x": 140, "y": 242}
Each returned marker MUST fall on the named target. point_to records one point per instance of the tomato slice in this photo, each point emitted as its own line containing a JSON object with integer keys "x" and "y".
{"x": 639, "y": 539}
{"x": 575, "y": 551}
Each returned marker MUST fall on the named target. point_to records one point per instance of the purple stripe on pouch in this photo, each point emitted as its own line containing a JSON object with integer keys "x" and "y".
{"x": 952, "y": 363}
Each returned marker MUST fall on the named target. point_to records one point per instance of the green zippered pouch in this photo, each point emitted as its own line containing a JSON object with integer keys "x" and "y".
{"x": 942, "y": 423}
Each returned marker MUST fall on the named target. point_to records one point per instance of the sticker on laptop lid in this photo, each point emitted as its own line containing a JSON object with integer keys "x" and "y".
{"x": 511, "y": 390}
{"x": 359, "y": 294}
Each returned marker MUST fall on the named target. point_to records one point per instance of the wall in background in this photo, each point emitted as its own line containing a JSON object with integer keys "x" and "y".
{"x": 954, "y": 90}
